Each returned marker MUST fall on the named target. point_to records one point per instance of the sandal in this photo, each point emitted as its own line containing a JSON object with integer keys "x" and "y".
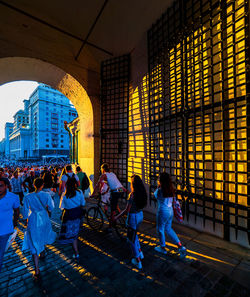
{"x": 42, "y": 255}
{"x": 37, "y": 276}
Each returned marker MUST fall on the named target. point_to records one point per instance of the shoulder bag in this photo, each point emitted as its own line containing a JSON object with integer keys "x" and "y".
{"x": 177, "y": 210}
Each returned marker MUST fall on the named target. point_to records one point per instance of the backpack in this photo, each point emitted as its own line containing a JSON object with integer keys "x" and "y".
{"x": 70, "y": 177}
{"x": 85, "y": 182}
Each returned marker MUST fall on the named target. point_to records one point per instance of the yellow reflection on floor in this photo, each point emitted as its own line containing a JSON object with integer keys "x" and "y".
{"x": 20, "y": 254}
{"x": 91, "y": 279}
{"x": 154, "y": 239}
{"x": 85, "y": 274}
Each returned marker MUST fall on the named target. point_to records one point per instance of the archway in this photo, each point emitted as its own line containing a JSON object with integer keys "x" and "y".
{"x": 19, "y": 68}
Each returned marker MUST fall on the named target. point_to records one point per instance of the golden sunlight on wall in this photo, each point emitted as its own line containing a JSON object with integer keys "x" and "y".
{"x": 207, "y": 140}
{"x": 138, "y": 161}
{"x": 208, "y": 131}
{"x": 79, "y": 97}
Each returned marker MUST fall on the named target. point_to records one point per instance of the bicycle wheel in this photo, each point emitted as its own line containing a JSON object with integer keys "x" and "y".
{"x": 121, "y": 228}
{"x": 95, "y": 218}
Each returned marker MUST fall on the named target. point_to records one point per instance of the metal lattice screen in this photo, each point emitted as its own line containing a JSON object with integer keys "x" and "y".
{"x": 115, "y": 76}
{"x": 198, "y": 109}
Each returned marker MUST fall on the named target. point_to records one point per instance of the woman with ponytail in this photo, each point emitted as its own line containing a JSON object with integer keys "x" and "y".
{"x": 137, "y": 200}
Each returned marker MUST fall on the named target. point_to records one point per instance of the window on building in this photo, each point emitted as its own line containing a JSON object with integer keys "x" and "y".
{"x": 47, "y": 140}
{"x": 47, "y": 145}
{"x": 54, "y": 140}
{"x": 54, "y": 115}
{"x": 61, "y": 146}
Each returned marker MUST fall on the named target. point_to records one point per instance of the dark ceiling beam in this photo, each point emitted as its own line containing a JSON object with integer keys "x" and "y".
{"x": 55, "y": 27}
{"x": 91, "y": 29}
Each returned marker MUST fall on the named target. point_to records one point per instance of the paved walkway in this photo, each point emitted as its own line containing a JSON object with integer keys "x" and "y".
{"x": 213, "y": 267}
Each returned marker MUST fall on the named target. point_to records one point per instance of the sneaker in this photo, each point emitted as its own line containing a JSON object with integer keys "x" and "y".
{"x": 141, "y": 255}
{"x": 76, "y": 257}
{"x": 160, "y": 249}
{"x": 137, "y": 264}
{"x": 183, "y": 252}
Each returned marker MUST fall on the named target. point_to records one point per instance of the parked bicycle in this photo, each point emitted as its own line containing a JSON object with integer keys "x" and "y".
{"x": 97, "y": 213}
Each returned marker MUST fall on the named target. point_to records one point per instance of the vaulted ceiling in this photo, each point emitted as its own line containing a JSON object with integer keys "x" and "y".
{"x": 81, "y": 32}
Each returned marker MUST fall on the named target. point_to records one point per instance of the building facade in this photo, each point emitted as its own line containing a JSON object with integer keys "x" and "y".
{"x": 38, "y": 130}
{"x": 7, "y": 132}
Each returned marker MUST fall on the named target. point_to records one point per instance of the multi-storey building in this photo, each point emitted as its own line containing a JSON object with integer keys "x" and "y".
{"x": 21, "y": 118}
{"x": 39, "y": 128}
{"x": 48, "y": 110}
{"x": 8, "y": 130}
{"x": 2, "y": 146}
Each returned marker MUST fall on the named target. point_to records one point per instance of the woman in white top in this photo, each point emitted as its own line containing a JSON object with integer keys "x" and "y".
{"x": 164, "y": 195}
{"x": 39, "y": 231}
{"x": 72, "y": 203}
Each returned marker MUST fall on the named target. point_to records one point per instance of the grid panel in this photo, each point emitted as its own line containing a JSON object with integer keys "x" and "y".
{"x": 198, "y": 116}
{"x": 115, "y": 75}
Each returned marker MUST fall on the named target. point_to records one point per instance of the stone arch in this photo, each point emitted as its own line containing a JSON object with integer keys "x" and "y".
{"x": 20, "y": 68}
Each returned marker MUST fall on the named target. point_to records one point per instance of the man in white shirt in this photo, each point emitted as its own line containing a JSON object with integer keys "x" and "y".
{"x": 116, "y": 190}
{"x": 9, "y": 204}
{"x": 69, "y": 173}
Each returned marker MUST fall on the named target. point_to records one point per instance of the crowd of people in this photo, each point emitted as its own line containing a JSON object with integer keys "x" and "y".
{"x": 33, "y": 188}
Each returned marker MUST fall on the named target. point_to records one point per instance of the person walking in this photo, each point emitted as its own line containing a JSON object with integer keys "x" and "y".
{"x": 72, "y": 202}
{"x": 48, "y": 183}
{"x": 9, "y": 205}
{"x": 16, "y": 185}
{"x": 36, "y": 211}
{"x": 116, "y": 190}
{"x": 68, "y": 173}
{"x": 28, "y": 183}
{"x": 137, "y": 200}
{"x": 165, "y": 195}
{"x": 2, "y": 175}
{"x": 84, "y": 181}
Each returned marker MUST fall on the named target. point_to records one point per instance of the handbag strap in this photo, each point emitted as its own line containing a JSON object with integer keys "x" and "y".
{"x": 41, "y": 201}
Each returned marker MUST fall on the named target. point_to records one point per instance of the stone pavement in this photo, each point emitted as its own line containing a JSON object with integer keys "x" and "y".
{"x": 213, "y": 267}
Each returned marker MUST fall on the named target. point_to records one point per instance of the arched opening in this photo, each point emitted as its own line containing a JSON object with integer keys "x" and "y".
{"x": 19, "y": 68}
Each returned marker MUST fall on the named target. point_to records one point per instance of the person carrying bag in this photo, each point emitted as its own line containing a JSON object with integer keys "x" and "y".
{"x": 39, "y": 233}
{"x": 71, "y": 203}
{"x": 166, "y": 205}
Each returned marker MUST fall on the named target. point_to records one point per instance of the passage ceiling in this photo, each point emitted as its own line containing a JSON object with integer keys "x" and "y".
{"x": 87, "y": 31}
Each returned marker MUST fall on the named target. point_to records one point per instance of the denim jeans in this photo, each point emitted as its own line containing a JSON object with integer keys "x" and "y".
{"x": 134, "y": 220}
{"x": 164, "y": 224}
{"x": 3, "y": 242}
